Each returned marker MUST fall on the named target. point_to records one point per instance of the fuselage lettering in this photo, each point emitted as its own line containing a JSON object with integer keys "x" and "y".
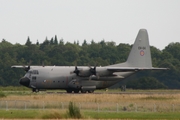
{"x": 141, "y": 48}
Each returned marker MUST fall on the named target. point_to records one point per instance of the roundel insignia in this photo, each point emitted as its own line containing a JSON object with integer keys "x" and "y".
{"x": 142, "y": 53}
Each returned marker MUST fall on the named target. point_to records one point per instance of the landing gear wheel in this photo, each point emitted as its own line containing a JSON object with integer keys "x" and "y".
{"x": 90, "y": 91}
{"x": 83, "y": 91}
{"x": 76, "y": 91}
{"x": 69, "y": 91}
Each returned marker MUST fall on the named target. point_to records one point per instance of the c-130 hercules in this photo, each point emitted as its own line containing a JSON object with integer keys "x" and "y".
{"x": 86, "y": 78}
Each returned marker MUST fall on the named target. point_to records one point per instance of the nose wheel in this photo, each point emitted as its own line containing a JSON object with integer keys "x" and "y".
{"x": 35, "y": 90}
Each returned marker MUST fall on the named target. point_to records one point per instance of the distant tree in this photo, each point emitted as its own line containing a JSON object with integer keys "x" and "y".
{"x": 92, "y": 42}
{"x": 111, "y": 43}
{"x": 84, "y": 43}
{"x": 173, "y": 49}
{"x": 55, "y": 40}
{"x": 46, "y": 42}
{"x": 123, "y": 51}
{"x": 146, "y": 83}
{"x": 5, "y": 44}
{"x": 3, "y": 40}
{"x": 74, "y": 42}
{"x": 61, "y": 41}
{"x": 37, "y": 43}
{"x": 103, "y": 43}
{"x": 28, "y": 42}
{"x": 52, "y": 41}
{"x": 77, "y": 42}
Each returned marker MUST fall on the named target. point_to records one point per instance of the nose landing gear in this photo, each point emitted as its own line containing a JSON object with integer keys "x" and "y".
{"x": 35, "y": 90}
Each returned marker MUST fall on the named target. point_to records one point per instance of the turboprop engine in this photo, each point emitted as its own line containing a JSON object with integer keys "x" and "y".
{"x": 92, "y": 71}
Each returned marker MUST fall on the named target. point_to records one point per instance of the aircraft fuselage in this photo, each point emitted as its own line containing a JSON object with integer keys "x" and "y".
{"x": 58, "y": 77}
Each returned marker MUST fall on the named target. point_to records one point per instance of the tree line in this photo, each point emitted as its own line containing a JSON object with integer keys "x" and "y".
{"x": 57, "y": 52}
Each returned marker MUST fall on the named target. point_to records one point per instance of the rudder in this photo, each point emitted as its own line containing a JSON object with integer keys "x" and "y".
{"x": 140, "y": 55}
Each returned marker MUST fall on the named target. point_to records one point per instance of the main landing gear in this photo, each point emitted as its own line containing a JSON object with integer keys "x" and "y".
{"x": 77, "y": 91}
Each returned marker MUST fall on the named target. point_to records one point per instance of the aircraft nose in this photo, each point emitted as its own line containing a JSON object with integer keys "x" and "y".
{"x": 24, "y": 81}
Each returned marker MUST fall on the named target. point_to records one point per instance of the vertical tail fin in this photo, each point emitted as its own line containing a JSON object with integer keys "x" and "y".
{"x": 140, "y": 55}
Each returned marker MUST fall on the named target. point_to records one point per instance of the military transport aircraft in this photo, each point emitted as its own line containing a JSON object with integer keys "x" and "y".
{"x": 86, "y": 78}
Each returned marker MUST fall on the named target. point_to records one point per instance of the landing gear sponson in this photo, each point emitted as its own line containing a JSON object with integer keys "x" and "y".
{"x": 77, "y": 91}
{"x": 69, "y": 90}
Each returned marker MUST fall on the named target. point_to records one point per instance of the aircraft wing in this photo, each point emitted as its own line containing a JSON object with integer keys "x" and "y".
{"x": 19, "y": 66}
{"x": 23, "y": 66}
{"x": 129, "y": 69}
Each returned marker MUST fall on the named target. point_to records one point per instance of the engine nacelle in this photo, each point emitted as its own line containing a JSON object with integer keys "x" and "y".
{"x": 85, "y": 72}
{"x": 101, "y": 71}
{"x": 89, "y": 71}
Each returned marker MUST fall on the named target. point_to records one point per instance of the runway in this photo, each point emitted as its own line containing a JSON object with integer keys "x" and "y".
{"x": 145, "y": 92}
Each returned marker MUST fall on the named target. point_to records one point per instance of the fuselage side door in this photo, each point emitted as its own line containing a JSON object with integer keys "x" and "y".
{"x": 34, "y": 76}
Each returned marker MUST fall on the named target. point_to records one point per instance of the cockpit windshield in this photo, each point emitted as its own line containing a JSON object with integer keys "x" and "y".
{"x": 33, "y": 72}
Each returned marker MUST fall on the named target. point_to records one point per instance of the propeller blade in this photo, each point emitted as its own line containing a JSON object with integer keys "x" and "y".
{"x": 76, "y": 71}
{"x": 93, "y": 70}
{"x": 29, "y": 66}
{"x": 43, "y": 63}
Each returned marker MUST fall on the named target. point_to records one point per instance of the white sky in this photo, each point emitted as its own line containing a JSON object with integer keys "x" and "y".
{"x": 111, "y": 20}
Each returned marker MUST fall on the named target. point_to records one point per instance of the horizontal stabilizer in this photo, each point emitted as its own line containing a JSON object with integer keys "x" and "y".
{"x": 19, "y": 66}
{"x": 129, "y": 69}
{"x": 25, "y": 66}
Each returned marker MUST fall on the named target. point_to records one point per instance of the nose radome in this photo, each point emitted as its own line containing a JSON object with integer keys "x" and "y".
{"x": 24, "y": 81}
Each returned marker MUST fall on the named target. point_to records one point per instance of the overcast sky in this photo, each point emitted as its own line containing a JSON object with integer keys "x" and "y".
{"x": 111, "y": 20}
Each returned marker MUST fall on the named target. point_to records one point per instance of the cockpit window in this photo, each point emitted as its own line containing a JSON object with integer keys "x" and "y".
{"x": 35, "y": 72}
{"x": 29, "y": 71}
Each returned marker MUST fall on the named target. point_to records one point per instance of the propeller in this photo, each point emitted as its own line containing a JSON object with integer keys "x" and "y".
{"x": 93, "y": 72}
{"x": 76, "y": 71}
{"x": 43, "y": 64}
{"x": 28, "y": 68}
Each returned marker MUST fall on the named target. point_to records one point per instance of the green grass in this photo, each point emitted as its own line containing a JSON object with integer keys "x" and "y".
{"x": 14, "y": 88}
{"x": 54, "y": 114}
{"x": 157, "y": 98}
{"x": 32, "y": 114}
{"x": 131, "y": 115}
{"x": 2, "y": 94}
{"x": 18, "y": 114}
{"x": 73, "y": 111}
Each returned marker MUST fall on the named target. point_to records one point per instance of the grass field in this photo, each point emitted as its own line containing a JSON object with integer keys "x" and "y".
{"x": 58, "y": 114}
{"x": 132, "y": 104}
